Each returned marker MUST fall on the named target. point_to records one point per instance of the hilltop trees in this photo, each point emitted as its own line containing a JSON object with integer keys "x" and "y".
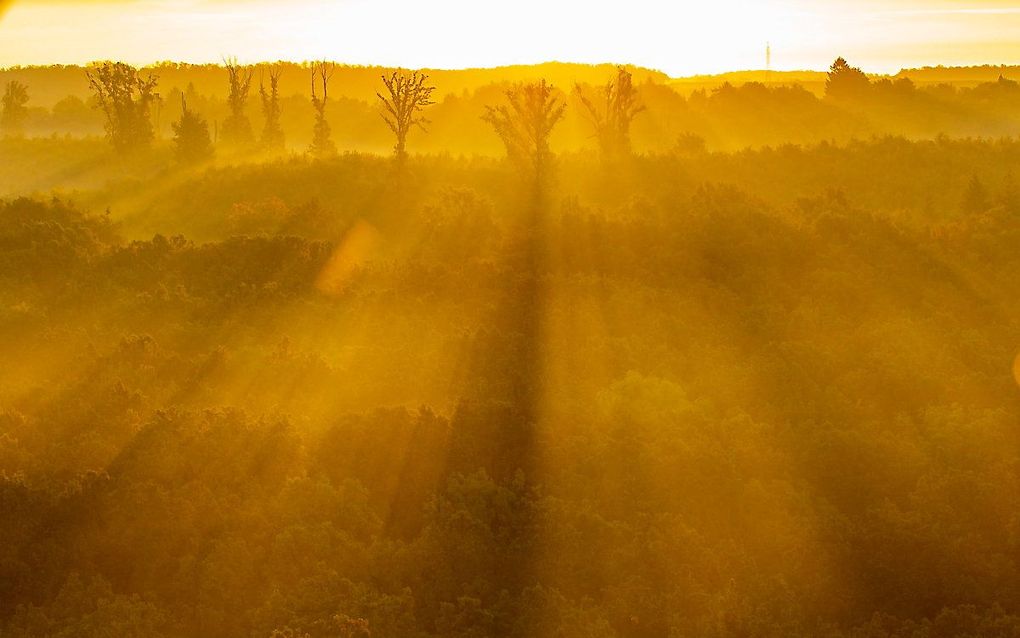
{"x": 612, "y": 116}
{"x": 845, "y": 81}
{"x": 14, "y": 112}
{"x": 237, "y": 128}
{"x": 525, "y": 125}
{"x": 272, "y": 132}
{"x": 322, "y": 143}
{"x": 126, "y": 98}
{"x": 408, "y": 96}
{"x": 191, "y": 136}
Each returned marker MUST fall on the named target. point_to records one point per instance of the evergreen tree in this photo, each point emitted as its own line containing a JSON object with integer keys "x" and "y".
{"x": 845, "y": 81}
{"x": 191, "y": 136}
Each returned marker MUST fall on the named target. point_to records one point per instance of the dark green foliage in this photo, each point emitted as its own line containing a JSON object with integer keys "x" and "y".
{"x": 845, "y": 82}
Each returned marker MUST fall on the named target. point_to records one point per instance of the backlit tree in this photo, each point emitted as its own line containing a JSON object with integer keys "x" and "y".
{"x": 408, "y": 95}
{"x": 237, "y": 127}
{"x": 322, "y": 143}
{"x": 126, "y": 98}
{"x": 272, "y": 132}
{"x": 845, "y": 81}
{"x": 14, "y": 111}
{"x": 191, "y": 136}
{"x": 612, "y": 112}
{"x": 525, "y": 124}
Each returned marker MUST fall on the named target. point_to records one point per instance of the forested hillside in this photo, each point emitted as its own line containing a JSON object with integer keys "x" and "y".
{"x": 757, "y": 378}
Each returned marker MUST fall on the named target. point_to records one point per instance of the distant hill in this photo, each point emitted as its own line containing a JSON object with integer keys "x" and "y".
{"x": 765, "y": 77}
{"x": 50, "y": 84}
{"x": 960, "y": 75}
{"x": 813, "y": 81}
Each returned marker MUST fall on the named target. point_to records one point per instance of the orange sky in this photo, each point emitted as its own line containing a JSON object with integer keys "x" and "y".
{"x": 680, "y": 37}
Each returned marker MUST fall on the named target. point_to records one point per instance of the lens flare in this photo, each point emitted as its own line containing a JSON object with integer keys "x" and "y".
{"x": 352, "y": 252}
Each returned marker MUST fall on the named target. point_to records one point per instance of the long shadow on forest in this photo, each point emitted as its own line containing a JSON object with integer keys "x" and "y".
{"x": 494, "y": 425}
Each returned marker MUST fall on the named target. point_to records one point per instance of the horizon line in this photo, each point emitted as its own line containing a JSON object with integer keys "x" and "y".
{"x": 350, "y": 65}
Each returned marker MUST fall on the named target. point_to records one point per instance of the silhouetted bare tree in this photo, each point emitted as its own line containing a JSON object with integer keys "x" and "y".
{"x": 525, "y": 124}
{"x": 126, "y": 98}
{"x": 14, "y": 111}
{"x": 322, "y": 143}
{"x": 408, "y": 96}
{"x": 237, "y": 127}
{"x": 611, "y": 117}
{"x": 272, "y": 131}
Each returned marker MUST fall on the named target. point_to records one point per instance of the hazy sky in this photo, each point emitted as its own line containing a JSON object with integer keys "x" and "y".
{"x": 678, "y": 36}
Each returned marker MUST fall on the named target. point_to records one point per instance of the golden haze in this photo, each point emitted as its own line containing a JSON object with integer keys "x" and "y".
{"x": 558, "y": 350}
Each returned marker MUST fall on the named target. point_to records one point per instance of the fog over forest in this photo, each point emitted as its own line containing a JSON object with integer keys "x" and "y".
{"x": 568, "y": 351}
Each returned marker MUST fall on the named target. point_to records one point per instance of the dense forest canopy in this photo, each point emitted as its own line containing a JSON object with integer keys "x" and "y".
{"x": 605, "y": 359}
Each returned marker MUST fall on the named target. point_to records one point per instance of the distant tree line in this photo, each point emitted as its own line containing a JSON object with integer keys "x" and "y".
{"x": 524, "y": 123}
{"x": 128, "y": 101}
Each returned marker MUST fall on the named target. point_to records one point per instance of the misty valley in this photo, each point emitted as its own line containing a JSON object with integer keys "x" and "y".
{"x": 575, "y": 351}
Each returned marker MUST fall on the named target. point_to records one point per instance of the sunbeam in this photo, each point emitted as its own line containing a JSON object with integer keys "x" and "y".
{"x": 357, "y": 348}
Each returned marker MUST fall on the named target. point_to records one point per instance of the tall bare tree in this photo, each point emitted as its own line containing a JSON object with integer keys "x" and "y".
{"x": 322, "y": 143}
{"x": 401, "y": 109}
{"x": 525, "y": 124}
{"x": 237, "y": 127}
{"x": 272, "y": 131}
{"x": 12, "y": 120}
{"x": 612, "y": 115}
{"x": 126, "y": 98}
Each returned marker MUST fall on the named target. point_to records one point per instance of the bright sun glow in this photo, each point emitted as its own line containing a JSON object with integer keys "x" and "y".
{"x": 681, "y": 38}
